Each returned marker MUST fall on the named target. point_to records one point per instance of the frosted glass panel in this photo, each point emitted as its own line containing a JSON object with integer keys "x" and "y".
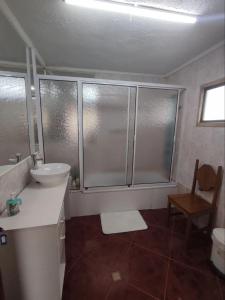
{"x": 14, "y": 137}
{"x": 105, "y": 127}
{"x": 156, "y": 116}
{"x": 59, "y": 119}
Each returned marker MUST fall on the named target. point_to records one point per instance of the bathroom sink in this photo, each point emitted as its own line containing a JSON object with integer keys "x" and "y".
{"x": 50, "y": 174}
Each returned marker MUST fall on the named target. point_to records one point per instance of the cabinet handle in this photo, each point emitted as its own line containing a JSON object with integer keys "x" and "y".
{"x": 62, "y": 221}
{"x": 62, "y": 238}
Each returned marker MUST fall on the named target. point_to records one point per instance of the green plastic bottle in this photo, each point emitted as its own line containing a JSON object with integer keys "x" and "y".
{"x": 12, "y": 205}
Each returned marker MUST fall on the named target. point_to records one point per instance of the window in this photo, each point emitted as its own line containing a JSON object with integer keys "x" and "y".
{"x": 212, "y": 104}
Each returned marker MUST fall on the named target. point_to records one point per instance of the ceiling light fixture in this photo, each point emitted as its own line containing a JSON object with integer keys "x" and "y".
{"x": 135, "y": 10}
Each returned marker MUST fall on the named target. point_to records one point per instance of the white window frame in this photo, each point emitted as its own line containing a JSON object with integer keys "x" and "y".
{"x": 203, "y": 90}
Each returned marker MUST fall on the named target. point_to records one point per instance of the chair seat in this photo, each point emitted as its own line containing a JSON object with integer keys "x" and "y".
{"x": 189, "y": 203}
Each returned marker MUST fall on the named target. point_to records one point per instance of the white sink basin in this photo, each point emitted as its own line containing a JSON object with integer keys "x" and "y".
{"x": 51, "y": 174}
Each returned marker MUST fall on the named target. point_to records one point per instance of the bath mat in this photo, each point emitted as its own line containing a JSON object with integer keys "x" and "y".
{"x": 117, "y": 222}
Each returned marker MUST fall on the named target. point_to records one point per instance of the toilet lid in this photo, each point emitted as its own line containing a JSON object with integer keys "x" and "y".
{"x": 219, "y": 234}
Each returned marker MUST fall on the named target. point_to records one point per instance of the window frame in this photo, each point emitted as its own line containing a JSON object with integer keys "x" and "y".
{"x": 203, "y": 90}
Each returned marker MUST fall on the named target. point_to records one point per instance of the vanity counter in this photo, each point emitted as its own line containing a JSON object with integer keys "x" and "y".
{"x": 35, "y": 249}
{"x": 41, "y": 206}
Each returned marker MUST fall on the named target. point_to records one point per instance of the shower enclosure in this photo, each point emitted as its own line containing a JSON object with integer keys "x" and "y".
{"x": 111, "y": 133}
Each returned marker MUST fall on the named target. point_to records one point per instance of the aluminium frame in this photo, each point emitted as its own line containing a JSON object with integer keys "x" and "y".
{"x": 80, "y": 81}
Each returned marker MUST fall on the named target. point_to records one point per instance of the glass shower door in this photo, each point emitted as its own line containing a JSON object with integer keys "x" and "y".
{"x": 59, "y": 122}
{"x": 106, "y": 126}
{"x": 155, "y": 129}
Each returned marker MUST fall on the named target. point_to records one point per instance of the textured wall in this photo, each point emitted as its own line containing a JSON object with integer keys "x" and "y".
{"x": 129, "y": 77}
{"x": 14, "y": 180}
{"x": 205, "y": 143}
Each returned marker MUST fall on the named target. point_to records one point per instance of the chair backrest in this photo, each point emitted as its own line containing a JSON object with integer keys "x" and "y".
{"x": 208, "y": 180}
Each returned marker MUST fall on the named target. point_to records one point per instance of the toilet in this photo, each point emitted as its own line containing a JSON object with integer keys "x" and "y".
{"x": 218, "y": 249}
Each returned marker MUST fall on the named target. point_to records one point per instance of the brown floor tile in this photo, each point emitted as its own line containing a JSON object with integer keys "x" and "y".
{"x": 179, "y": 224}
{"x": 123, "y": 291}
{"x": 222, "y": 287}
{"x": 196, "y": 256}
{"x": 186, "y": 284}
{"x": 128, "y": 236}
{"x": 87, "y": 280}
{"x": 109, "y": 251}
{"x": 91, "y": 220}
{"x": 147, "y": 271}
{"x": 80, "y": 238}
{"x": 92, "y": 257}
{"x": 156, "y": 239}
{"x": 156, "y": 217}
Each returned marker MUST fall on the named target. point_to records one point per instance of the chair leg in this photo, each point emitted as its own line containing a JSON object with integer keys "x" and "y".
{"x": 188, "y": 232}
{"x": 168, "y": 213}
{"x": 210, "y": 224}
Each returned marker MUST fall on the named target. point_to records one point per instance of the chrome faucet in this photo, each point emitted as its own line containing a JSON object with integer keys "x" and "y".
{"x": 36, "y": 158}
{"x": 17, "y": 159}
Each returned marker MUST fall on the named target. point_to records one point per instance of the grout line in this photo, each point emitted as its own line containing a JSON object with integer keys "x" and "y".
{"x": 127, "y": 253}
{"x": 171, "y": 245}
{"x": 108, "y": 292}
{"x": 173, "y": 259}
{"x": 159, "y": 226}
{"x": 128, "y": 250}
{"x": 169, "y": 258}
{"x": 167, "y": 277}
{"x": 193, "y": 268}
{"x": 151, "y": 251}
{"x": 74, "y": 262}
{"x": 142, "y": 291}
{"x": 131, "y": 243}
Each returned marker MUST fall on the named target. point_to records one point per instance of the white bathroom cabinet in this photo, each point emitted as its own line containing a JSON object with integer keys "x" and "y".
{"x": 33, "y": 261}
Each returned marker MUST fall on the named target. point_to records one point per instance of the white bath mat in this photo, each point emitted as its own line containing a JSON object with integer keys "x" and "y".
{"x": 125, "y": 221}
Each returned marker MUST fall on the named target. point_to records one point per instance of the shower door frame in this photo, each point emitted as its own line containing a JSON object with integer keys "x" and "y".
{"x": 127, "y": 137}
{"x": 179, "y": 91}
{"x": 82, "y": 80}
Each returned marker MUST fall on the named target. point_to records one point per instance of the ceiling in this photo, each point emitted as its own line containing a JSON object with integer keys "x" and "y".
{"x": 69, "y": 36}
{"x": 12, "y": 48}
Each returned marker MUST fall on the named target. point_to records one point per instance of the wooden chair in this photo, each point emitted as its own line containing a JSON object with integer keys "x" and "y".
{"x": 191, "y": 204}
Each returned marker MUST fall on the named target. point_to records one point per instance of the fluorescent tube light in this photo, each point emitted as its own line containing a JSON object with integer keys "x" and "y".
{"x": 135, "y": 10}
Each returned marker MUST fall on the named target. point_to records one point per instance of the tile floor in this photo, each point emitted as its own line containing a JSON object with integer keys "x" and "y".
{"x": 142, "y": 265}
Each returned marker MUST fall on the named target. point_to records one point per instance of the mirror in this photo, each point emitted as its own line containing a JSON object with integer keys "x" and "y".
{"x": 14, "y": 128}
